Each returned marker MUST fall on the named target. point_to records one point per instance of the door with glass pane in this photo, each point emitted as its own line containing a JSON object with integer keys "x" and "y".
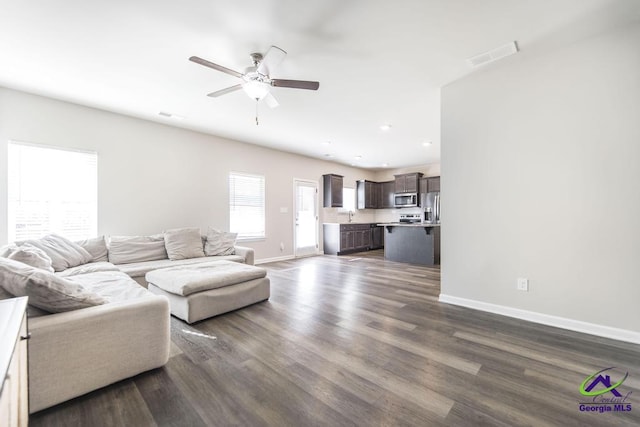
{"x": 306, "y": 217}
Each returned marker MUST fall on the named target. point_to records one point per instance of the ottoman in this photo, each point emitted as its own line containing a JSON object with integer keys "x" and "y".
{"x": 200, "y": 291}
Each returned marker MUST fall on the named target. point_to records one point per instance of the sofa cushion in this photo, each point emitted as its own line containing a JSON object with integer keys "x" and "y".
{"x": 44, "y": 289}
{"x": 183, "y": 243}
{"x": 91, "y": 267}
{"x": 189, "y": 279}
{"x": 112, "y": 285}
{"x": 219, "y": 242}
{"x": 31, "y": 255}
{"x": 128, "y": 249}
{"x": 8, "y": 249}
{"x": 139, "y": 269}
{"x": 63, "y": 252}
{"x": 97, "y": 247}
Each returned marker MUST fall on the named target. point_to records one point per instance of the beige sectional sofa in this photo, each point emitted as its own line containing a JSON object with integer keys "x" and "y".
{"x": 80, "y": 350}
{"x": 137, "y": 270}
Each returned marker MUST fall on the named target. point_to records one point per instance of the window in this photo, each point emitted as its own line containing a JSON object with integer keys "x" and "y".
{"x": 348, "y": 200}
{"x": 51, "y": 190}
{"x": 246, "y": 205}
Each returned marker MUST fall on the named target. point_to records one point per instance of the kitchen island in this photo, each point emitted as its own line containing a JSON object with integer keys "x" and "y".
{"x": 414, "y": 243}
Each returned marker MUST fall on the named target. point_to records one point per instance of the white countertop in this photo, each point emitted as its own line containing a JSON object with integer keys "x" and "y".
{"x": 407, "y": 224}
{"x": 349, "y": 223}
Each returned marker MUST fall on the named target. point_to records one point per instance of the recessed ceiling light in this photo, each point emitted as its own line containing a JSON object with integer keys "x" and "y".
{"x": 326, "y": 143}
{"x": 328, "y": 155}
{"x": 357, "y": 157}
{"x": 170, "y": 116}
{"x": 427, "y": 143}
{"x": 384, "y": 165}
{"x": 385, "y": 127}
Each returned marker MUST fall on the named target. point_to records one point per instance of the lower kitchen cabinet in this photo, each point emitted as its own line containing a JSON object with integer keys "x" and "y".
{"x": 348, "y": 238}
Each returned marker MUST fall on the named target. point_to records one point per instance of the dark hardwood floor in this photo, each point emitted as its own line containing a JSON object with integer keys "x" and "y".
{"x": 357, "y": 340}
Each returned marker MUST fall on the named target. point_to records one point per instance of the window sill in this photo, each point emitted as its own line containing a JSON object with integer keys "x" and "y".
{"x": 251, "y": 239}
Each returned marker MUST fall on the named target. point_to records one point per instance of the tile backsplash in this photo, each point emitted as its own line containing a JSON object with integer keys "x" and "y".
{"x": 337, "y": 215}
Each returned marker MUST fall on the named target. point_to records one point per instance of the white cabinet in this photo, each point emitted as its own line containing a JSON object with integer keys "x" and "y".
{"x": 14, "y": 395}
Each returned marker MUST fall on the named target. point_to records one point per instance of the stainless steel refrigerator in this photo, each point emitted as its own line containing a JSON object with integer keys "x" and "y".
{"x": 430, "y": 203}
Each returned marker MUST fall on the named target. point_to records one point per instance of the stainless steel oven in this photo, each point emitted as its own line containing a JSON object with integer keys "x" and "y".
{"x": 406, "y": 200}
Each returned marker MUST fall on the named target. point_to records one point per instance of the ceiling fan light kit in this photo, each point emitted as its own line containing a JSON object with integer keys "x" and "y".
{"x": 256, "y": 79}
{"x": 255, "y": 89}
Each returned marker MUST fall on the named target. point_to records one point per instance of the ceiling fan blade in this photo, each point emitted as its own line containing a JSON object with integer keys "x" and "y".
{"x": 272, "y": 59}
{"x": 209, "y": 64}
{"x": 296, "y": 84}
{"x": 225, "y": 91}
{"x": 271, "y": 101}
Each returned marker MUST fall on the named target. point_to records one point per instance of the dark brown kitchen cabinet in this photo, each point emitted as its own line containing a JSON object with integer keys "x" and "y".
{"x": 433, "y": 184}
{"x": 424, "y": 185}
{"x": 430, "y": 184}
{"x": 346, "y": 238}
{"x": 407, "y": 182}
{"x": 368, "y": 194}
{"x": 332, "y": 191}
{"x": 387, "y": 199}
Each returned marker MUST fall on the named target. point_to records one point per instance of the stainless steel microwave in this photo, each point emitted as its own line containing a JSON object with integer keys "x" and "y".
{"x": 406, "y": 200}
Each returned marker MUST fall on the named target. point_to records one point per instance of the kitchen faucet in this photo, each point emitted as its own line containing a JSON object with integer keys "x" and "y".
{"x": 351, "y": 214}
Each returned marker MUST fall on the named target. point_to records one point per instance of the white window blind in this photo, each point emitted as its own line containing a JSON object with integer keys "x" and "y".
{"x": 51, "y": 190}
{"x": 246, "y": 205}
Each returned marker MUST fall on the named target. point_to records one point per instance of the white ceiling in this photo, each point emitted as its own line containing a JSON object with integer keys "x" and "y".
{"x": 377, "y": 61}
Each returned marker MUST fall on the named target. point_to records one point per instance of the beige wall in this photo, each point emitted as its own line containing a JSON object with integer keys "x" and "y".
{"x": 432, "y": 169}
{"x": 540, "y": 168}
{"x": 152, "y": 177}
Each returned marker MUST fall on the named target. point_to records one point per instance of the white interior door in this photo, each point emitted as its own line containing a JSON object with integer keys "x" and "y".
{"x": 306, "y": 217}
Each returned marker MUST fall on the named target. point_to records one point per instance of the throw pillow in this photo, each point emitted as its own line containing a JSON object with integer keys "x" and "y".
{"x": 219, "y": 242}
{"x": 6, "y": 250}
{"x": 183, "y": 243}
{"x": 63, "y": 252}
{"x": 44, "y": 289}
{"x": 33, "y": 256}
{"x": 128, "y": 249}
{"x": 97, "y": 247}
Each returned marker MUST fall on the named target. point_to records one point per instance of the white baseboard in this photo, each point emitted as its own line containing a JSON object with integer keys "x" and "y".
{"x": 274, "y": 259}
{"x": 546, "y": 319}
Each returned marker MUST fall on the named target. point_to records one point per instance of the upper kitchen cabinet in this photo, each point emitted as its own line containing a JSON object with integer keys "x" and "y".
{"x": 368, "y": 194}
{"x": 332, "y": 191}
{"x": 387, "y": 199}
{"x": 424, "y": 185}
{"x": 433, "y": 184}
{"x": 407, "y": 182}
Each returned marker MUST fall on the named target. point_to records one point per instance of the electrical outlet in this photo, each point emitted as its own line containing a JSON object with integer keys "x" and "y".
{"x": 523, "y": 284}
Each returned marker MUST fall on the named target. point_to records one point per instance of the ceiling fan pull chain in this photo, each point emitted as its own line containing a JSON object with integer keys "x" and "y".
{"x": 257, "y": 112}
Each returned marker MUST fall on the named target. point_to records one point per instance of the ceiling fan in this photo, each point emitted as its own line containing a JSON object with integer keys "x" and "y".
{"x": 256, "y": 79}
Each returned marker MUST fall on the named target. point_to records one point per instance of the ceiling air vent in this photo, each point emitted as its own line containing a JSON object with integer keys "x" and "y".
{"x": 493, "y": 55}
